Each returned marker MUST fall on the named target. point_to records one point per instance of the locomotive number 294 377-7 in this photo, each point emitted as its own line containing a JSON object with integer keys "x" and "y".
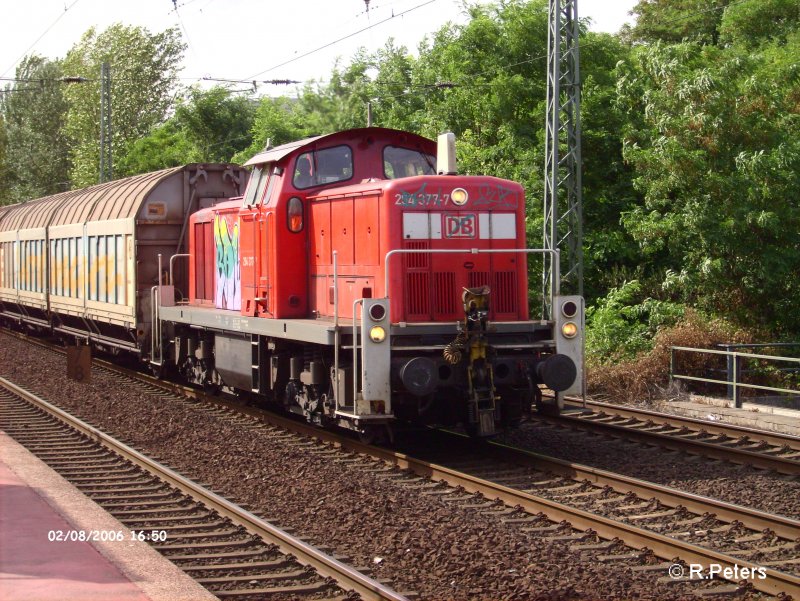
{"x": 421, "y": 199}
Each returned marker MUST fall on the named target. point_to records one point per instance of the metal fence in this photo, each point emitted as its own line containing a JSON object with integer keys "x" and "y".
{"x": 734, "y": 371}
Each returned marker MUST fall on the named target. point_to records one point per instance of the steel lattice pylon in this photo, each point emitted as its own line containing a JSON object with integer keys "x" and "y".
{"x": 563, "y": 210}
{"x": 106, "y": 169}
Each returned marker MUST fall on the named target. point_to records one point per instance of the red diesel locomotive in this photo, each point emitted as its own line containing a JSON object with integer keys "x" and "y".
{"x": 358, "y": 281}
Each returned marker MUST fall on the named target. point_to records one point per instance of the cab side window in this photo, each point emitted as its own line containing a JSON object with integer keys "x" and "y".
{"x": 303, "y": 172}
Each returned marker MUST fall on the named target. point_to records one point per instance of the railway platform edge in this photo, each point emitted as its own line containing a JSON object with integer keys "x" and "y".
{"x": 765, "y": 417}
{"x": 37, "y": 504}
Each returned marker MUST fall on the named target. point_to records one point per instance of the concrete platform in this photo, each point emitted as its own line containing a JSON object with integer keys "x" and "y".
{"x": 35, "y": 500}
{"x": 765, "y": 417}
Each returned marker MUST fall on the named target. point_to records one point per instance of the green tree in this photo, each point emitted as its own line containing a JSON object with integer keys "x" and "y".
{"x": 144, "y": 70}
{"x": 217, "y": 123}
{"x": 166, "y": 146}
{"x": 625, "y": 321}
{"x": 5, "y": 180}
{"x": 674, "y": 21}
{"x": 756, "y": 21}
{"x": 34, "y": 111}
{"x": 398, "y": 99}
{"x": 277, "y": 121}
{"x": 208, "y": 126}
{"x": 611, "y": 255}
{"x": 714, "y": 139}
{"x": 485, "y": 81}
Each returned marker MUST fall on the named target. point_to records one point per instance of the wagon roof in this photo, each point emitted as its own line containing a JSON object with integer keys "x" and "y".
{"x": 118, "y": 199}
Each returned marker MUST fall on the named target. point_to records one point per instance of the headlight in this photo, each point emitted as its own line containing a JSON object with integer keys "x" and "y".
{"x": 377, "y": 334}
{"x": 459, "y": 196}
{"x": 569, "y": 329}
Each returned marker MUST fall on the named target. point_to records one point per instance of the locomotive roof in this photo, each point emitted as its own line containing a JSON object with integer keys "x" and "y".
{"x": 118, "y": 199}
{"x": 279, "y": 152}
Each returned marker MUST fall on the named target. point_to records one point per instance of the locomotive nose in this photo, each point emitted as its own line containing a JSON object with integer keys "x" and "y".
{"x": 558, "y": 372}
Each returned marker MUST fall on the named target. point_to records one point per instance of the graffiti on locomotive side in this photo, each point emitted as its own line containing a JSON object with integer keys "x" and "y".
{"x": 495, "y": 197}
{"x": 227, "y": 289}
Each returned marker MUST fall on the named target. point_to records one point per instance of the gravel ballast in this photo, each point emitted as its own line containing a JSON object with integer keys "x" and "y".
{"x": 420, "y": 542}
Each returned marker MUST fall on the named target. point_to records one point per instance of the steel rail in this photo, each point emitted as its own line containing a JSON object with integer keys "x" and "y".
{"x": 754, "y": 519}
{"x": 723, "y": 452}
{"x": 783, "y": 526}
{"x": 663, "y": 546}
{"x": 694, "y": 423}
{"x": 346, "y": 576}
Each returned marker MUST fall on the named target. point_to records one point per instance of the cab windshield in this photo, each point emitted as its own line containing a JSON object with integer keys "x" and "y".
{"x": 256, "y": 185}
{"x": 402, "y": 162}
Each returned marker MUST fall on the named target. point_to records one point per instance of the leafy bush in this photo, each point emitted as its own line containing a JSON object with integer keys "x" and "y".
{"x": 623, "y": 324}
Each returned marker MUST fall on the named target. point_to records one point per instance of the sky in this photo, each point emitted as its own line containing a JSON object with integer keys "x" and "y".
{"x": 250, "y": 39}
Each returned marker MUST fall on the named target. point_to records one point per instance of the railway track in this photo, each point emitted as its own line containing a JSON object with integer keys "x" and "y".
{"x": 590, "y": 509}
{"x": 725, "y": 442}
{"x": 670, "y": 522}
{"x": 226, "y": 548}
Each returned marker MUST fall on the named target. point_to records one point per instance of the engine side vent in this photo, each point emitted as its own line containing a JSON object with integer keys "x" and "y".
{"x": 418, "y": 294}
{"x": 444, "y": 294}
{"x": 478, "y": 279}
{"x": 504, "y": 292}
{"x": 417, "y": 260}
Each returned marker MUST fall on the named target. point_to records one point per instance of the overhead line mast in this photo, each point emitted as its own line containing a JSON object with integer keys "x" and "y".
{"x": 106, "y": 168}
{"x": 563, "y": 202}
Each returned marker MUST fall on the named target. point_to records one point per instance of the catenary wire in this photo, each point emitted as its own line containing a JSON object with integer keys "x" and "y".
{"x": 46, "y": 31}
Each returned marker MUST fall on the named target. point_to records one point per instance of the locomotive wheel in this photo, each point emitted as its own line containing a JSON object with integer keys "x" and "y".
{"x": 367, "y": 436}
{"x": 211, "y": 388}
{"x": 372, "y": 435}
